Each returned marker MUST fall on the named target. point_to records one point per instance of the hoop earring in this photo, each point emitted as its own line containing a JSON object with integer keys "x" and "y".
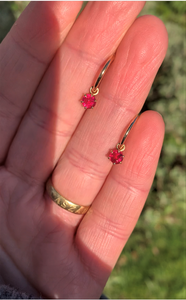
{"x": 89, "y": 100}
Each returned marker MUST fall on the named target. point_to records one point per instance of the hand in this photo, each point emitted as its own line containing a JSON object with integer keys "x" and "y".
{"x": 47, "y": 64}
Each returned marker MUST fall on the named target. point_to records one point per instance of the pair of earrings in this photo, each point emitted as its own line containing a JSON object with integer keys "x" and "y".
{"x": 89, "y": 101}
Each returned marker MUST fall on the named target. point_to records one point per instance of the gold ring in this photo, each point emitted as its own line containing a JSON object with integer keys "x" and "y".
{"x": 63, "y": 202}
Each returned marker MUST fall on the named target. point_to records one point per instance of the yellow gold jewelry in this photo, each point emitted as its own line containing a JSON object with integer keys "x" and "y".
{"x": 116, "y": 156}
{"x": 89, "y": 100}
{"x": 63, "y": 202}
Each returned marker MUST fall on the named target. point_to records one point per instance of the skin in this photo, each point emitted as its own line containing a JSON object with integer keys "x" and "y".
{"x": 48, "y": 61}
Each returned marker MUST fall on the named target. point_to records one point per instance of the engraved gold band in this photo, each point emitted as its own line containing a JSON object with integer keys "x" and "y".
{"x": 63, "y": 202}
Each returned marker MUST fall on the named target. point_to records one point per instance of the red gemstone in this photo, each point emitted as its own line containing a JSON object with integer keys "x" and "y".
{"x": 116, "y": 157}
{"x": 88, "y": 101}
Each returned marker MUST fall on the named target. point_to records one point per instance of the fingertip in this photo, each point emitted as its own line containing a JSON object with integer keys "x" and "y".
{"x": 156, "y": 121}
{"x": 157, "y": 28}
{"x": 155, "y": 36}
{"x": 150, "y": 133}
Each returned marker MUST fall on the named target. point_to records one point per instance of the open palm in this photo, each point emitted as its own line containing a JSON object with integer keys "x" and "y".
{"x": 47, "y": 62}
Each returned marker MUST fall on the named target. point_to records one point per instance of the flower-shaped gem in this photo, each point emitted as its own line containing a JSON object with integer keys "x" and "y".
{"x": 88, "y": 101}
{"x": 116, "y": 157}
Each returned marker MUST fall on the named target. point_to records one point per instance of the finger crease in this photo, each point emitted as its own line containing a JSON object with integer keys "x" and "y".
{"x": 47, "y": 125}
{"x": 108, "y": 226}
{"x": 21, "y": 46}
{"x": 129, "y": 186}
{"x": 10, "y": 103}
{"x": 85, "y": 56}
{"x": 24, "y": 176}
{"x": 118, "y": 102}
{"x": 85, "y": 164}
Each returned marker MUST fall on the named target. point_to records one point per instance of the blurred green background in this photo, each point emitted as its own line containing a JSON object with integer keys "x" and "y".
{"x": 152, "y": 264}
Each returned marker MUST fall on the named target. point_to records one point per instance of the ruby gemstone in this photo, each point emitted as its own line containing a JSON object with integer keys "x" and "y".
{"x": 88, "y": 101}
{"x": 116, "y": 157}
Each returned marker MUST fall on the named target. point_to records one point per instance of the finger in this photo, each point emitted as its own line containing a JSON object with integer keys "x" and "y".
{"x": 107, "y": 226}
{"x": 56, "y": 109}
{"x": 24, "y": 56}
{"x": 84, "y": 164}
